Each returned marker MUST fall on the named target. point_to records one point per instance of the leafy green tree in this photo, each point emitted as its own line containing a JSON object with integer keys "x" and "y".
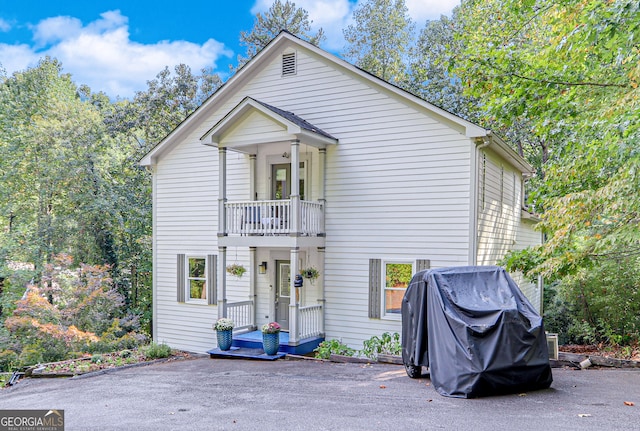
{"x": 280, "y": 16}
{"x": 569, "y": 72}
{"x": 379, "y": 40}
{"x": 51, "y": 147}
{"x": 431, "y": 77}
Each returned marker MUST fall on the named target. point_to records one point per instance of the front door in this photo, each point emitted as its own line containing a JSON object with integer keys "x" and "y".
{"x": 283, "y": 293}
{"x": 281, "y": 180}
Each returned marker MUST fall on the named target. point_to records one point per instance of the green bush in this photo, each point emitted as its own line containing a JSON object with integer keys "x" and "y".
{"x": 602, "y": 303}
{"x": 8, "y": 360}
{"x": 387, "y": 344}
{"x": 335, "y": 347}
{"x": 156, "y": 351}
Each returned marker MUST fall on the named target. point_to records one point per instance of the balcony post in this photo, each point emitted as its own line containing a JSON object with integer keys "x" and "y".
{"x": 322, "y": 162}
{"x": 253, "y": 282}
{"x": 222, "y": 191}
{"x": 252, "y": 177}
{"x": 222, "y": 281}
{"x": 294, "y": 301}
{"x": 294, "y": 228}
{"x": 321, "y": 300}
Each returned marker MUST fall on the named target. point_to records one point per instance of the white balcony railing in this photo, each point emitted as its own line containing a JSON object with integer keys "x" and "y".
{"x": 272, "y": 217}
{"x": 242, "y": 314}
{"x": 310, "y": 321}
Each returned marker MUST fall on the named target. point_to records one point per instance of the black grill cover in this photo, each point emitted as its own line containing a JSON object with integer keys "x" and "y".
{"x": 476, "y": 331}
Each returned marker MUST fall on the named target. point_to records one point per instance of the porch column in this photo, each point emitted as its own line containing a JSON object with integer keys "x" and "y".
{"x": 252, "y": 282}
{"x": 252, "y": 177}
{"x": 222, "y": 281}
{"x": 322, "y": 163}
{"x": 222, "y": 191}
{"x": 321, "y": 301}
{"x": 294, "y": 303}
{"x": 294, "y": 228}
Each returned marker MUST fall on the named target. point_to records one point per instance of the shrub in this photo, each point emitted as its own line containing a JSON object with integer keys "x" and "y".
{"x": 8, "y": 360}
{"x": 156, "y": 351}
{"x": 388, "y": 344}
{"x": 333, "y": 347}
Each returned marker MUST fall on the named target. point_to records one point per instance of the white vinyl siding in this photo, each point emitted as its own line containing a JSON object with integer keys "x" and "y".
{"x": 499, "y": 217}
{"x": 398, "y": 185}
{"x": 527, "y": 236}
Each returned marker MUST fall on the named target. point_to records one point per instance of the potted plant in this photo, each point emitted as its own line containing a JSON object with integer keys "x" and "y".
{"x": 224, "y": 332}
{"x": 271, "y": 337}
{"x": 311, "y": 273}
{"x": 237, "y": 270}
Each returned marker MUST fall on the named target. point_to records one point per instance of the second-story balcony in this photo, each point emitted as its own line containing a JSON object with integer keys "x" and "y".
{"x": 274, "y": 217}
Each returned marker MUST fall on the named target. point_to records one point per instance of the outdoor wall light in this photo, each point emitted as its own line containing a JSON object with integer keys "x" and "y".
{"x": 262, "y": 268}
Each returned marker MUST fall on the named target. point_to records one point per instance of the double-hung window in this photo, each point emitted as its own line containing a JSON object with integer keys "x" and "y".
{"x": 388, "y": 282}
{"x": 196, "y": 279}
{"x": 397, "y": 276}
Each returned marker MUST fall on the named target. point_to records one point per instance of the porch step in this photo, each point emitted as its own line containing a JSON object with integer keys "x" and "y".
{"x": 244, "y": 353}
{"x": 253, "y": 340}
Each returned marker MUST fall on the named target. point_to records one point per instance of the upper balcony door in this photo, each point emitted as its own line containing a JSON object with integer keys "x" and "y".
{"x": 281, "y": 180}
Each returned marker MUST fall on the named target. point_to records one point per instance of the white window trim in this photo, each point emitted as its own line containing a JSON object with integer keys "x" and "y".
{"x": 383, "y": 286}
{"x": 187, "y": 285}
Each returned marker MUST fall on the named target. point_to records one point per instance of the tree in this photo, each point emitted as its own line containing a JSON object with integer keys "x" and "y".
{"x": 280, "y": 16}
{"x": 379, "y": 40}
{"x": 431, "y": 77}
{"x": 569, "y": 71}
{"x": 51, "y": 150}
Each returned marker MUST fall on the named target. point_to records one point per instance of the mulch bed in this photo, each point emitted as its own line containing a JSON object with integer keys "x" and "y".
{"x": 97, "y": 363}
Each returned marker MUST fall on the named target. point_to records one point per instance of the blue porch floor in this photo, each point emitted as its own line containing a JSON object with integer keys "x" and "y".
{"x": 249, "y": 345}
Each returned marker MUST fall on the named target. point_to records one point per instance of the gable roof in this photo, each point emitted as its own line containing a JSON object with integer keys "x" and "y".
{"x": 294, "y": 126}
{"x": 273, "y": 49}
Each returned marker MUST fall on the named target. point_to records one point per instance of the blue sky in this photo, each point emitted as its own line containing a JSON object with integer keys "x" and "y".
{"x": 116, "y": 46}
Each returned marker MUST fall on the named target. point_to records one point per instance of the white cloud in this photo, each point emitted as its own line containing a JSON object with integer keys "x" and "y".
{"x": 52, "y": 30}
{"x": 4, "y": 25}
{"x": 423, "y": 10}
{"x": 17, "y": 57}
{"x": 102, "y": 55}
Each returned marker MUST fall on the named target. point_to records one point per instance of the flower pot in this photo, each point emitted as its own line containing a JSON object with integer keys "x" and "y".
{"x": 271, "y": 343}
{"x": 225, "y": 338}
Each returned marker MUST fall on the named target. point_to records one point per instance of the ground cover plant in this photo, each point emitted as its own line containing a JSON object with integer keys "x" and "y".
{"x": 74, "y": 311}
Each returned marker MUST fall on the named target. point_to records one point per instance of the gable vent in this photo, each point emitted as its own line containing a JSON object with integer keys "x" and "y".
{"x": 289, "y": 64}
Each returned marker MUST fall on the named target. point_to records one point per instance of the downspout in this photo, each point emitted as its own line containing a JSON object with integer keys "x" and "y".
{"x": 480, "y": 143}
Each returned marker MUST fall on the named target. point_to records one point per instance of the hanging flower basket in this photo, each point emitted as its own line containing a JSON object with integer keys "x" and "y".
{"x": 237, "y": 270}
{"x": 311, "y": 273}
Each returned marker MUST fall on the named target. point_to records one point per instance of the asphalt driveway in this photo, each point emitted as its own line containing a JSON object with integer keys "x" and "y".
{"x": 227, "y": 394}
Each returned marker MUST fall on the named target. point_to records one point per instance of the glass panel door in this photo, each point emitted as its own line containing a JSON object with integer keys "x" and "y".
{"x": 283, "y": 293}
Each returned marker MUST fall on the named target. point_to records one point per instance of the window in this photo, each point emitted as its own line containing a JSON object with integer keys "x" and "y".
{"x": 388, "y": 281}
{"x": 197, "y": 278}
{"x": 397, "y": 276}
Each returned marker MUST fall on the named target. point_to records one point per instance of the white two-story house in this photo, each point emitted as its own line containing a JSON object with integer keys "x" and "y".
{"x": 302, "y": 160}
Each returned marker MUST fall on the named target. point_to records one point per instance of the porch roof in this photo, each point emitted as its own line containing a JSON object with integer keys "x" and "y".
{"x": 292, "y": 126}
